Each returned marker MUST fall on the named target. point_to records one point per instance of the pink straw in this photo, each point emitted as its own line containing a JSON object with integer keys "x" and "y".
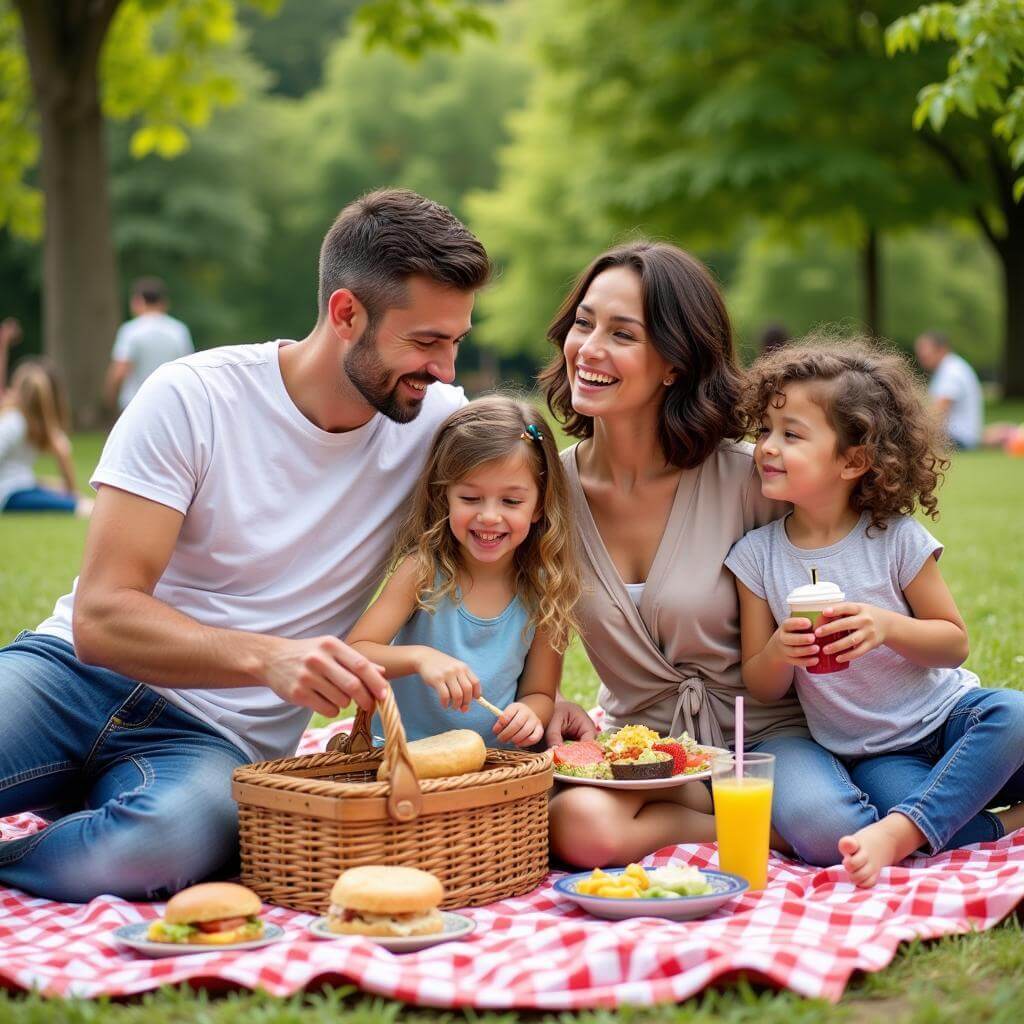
{"x": 739, "y": 737}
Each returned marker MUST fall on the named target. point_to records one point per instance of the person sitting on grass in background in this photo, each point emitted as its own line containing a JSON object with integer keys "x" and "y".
{"x": 485, "y": 581}
{"x": 34, "y": 420}
{"x": 844, "y": 433}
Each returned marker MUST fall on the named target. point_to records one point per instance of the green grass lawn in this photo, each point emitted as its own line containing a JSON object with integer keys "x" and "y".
{"x": 974, "y": 978}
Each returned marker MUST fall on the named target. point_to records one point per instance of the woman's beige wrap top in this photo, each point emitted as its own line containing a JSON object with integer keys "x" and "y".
{"x": 674, "y": 662}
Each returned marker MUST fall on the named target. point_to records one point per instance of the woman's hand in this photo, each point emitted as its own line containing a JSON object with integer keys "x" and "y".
{"x": 454, "y": 682}
{"x": 569, "y": 722}
{"x": 868, "y": 627}
{"x": 795, "y": 644}
{"x": 520, "y": 725}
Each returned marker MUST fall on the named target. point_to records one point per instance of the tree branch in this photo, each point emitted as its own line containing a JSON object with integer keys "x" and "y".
{"x": 962, "y": 175}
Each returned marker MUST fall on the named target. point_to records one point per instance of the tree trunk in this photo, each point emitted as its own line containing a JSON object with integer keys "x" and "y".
{"x": 80, "y": 303}
{"x": 1012, "y": 255}
{"x": 872, "y": 284}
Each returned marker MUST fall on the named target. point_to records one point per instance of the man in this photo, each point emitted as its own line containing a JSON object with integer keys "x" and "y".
{"x": 245, "y": 510}
{"x": 147, "y": 341}
{"x": 954, "y": 389}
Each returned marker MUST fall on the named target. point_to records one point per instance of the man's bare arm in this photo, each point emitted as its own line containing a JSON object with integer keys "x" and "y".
{"x": 120, "y": 625}
{"x": 116, "y": 373}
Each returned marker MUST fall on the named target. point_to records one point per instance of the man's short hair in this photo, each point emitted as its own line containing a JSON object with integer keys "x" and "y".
{"x": 150, "y": 289}
{"x": 383, "y": 238}
{"x": 937, "y": 338}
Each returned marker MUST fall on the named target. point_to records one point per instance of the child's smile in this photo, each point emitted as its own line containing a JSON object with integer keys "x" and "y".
{"x": 491, "y": 510}
{"x": 797, "y": 450}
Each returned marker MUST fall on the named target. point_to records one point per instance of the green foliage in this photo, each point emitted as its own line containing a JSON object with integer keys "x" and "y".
{"x": 21, "y": 205}
{"x": 434, "y": 125}
{"x": 414, "y": 27}
{"x": 985, "y": 72}
{"x": 936, "y": 279}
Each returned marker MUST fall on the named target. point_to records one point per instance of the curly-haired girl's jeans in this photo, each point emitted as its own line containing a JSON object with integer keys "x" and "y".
{"x": 973, "y": 761}
{"x": 138, "y": 791}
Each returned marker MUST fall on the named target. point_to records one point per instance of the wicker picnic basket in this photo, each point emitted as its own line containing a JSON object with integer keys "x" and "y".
{"x": 304, "y": 820}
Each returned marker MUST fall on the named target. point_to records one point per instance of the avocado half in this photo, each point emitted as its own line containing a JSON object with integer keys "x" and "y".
{"x": 660, "y": 769}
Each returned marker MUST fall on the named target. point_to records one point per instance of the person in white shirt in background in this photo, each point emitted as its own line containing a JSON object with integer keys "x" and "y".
{"x": 144, "y": 343}
{"x": 246, "y": 507}
{"x": 955, "y": 389}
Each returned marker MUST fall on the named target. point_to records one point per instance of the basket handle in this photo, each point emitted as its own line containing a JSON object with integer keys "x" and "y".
{"x": 405, "y": 799}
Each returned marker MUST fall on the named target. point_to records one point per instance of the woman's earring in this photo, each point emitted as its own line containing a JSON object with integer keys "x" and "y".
{"x": 667, "y": 382}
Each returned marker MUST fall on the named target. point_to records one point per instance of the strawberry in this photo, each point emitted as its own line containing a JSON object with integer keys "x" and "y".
{"x": 678, "y": 753}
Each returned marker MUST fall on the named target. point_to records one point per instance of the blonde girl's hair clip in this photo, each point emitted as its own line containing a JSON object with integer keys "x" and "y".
{"x": 531, "y": 433}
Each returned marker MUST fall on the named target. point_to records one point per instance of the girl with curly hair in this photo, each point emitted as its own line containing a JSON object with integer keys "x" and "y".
{"x": 481, "y": 599}
{"x": 843, "y": 433}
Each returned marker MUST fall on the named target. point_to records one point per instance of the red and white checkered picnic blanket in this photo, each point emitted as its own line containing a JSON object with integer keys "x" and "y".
{"x": 808, "y": 931}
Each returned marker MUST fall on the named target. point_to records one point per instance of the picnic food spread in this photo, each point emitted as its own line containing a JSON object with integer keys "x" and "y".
{"x": 385, "y": 901}
{"x": 455, "y": 752}
{"x": 211, "y": 914}
{"x": 637, "y": 883}
{"x": 632, "y": 752}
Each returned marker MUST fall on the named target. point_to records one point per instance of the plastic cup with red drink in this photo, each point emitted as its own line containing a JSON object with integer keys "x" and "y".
{"x": 810, "y": 602}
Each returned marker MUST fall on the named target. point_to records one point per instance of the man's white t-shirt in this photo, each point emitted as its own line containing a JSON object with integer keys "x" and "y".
{"x": 955, "y": 380}
{"x": 147, "y": 342}
{"x": 287, "y": 527}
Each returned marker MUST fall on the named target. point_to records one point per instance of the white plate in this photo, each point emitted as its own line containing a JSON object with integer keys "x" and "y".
{"x": 674, "y": 780}
{"x": 455, "y": 927}
{"x": 134, "y": 937}
{"x": 682, "y": 908}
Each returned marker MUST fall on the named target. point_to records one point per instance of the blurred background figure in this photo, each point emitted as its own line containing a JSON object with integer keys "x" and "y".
{"x": 150, "y": 339}
{"x": 772, "y": 337}
{"x": 34, "y": 419}
{"x": 10, "y": 335}
{"x": 955, "y": 389}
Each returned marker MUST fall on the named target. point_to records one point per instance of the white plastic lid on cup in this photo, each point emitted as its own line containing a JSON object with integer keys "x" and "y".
{"x": 814, "y": 596}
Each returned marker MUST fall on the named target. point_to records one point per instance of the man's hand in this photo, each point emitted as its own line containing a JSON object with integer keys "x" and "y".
{"x": 795, "y": 644}
{"x": 324, "y": 674}
{"x": 454, "y": 682}
{"x": 520, "y": 725}
{"x": 569, "y": 722}
{"x": 866, "y": 624}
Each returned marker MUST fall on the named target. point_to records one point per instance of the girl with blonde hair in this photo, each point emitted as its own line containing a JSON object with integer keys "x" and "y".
{"x": 33, "y": 420}
{"x": 485, "y": 580}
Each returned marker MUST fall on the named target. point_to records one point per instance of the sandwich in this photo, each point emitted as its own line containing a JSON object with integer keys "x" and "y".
{"x": 211, "y": 914}
{"x": 386, "y": 901}
{"x": 455, "y": 752}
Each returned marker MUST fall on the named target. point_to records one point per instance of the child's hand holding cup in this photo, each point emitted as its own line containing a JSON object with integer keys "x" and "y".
{"x": 809, "y": 602}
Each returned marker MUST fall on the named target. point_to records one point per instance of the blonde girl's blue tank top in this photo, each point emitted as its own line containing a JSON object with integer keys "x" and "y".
{"x": 495, "y": 649}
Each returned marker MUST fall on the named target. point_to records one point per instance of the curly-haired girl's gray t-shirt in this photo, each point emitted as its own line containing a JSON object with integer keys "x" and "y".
{"x": 882, "y": 702}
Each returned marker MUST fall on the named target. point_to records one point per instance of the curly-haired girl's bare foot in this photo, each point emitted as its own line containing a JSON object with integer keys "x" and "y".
{"x": 878, "y": 846}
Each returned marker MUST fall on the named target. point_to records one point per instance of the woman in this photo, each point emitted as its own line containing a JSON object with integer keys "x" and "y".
{"x": 663, "y": 486}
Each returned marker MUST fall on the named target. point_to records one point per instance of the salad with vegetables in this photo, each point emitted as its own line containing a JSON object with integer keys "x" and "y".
{"x": 635, "y": 746}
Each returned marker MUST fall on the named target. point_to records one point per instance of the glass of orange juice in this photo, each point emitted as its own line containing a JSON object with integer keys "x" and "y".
{"x": 743, "y": 814}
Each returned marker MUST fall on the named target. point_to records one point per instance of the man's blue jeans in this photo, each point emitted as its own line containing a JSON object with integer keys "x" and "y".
{"x": 943, "y": 784}
{"x": 139, "y": 791}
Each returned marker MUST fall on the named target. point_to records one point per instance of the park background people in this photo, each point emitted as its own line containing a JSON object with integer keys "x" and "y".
{"x": 954, "y": 388}
{"x": 246, "y": 508}
{"x": 149, "y": 339}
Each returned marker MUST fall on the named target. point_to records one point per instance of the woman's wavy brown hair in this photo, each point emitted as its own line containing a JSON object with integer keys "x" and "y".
{"x": 689, "y": 327}
{"x": 871, "y": 398}
{"x": 545, "y": 564}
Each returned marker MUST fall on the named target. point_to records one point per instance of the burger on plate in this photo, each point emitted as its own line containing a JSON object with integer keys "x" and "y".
{"x": 386, "y": 901}
{"x": 211, "y": 914}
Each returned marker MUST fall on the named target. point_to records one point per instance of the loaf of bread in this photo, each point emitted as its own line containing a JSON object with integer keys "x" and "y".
{"x": 455, "y": 752}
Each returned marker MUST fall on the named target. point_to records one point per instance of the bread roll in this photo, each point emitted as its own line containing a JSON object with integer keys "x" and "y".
{"x": 455, "y": 752}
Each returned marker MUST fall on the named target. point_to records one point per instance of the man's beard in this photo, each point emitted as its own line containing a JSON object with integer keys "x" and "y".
{"x": 371, "y": 377}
